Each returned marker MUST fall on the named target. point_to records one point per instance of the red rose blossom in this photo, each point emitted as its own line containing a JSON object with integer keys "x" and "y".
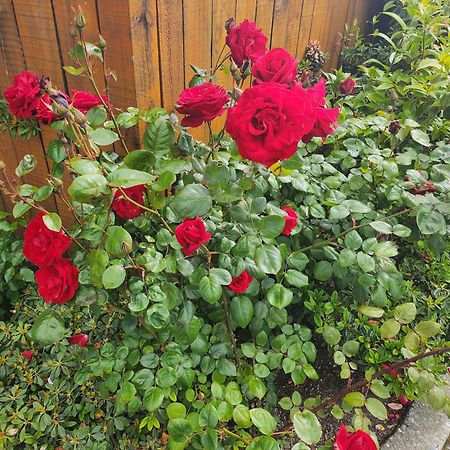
{"x": 44, "y": 111}
{"x": 359, "y": 440}
{"x": 42, "y": 246}
{"x": 123, "y": 207}
{"x": 325, "y": 117}
{"x": 79, "y": 339}
{"x": 27, "y": 354}
{"x": 269, "y": 120}
{"x": 23, "y": 95}
{"x": 201, "y": 103}
{"x": 85, "y": 100}
{"x": 246, "y": 42}
{"x": 347, "y": 87}
{"x": 191, "y": 234}
{"x": 240, "y": 283}
{"x": 290, "y": 221}
{"x": 422, "y": 189}
{"x": 57, "y": 283}
{"x": 276, "y": 65}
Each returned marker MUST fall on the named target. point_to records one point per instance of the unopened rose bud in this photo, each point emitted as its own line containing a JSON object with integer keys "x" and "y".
{"x": 44, "y": 82}
{"x": 60, "y": 98}
{"x": 2, "y": 166}
{"x": 56, "y": 183}
{"x": 230, "y": 23}
{"x": 404, "y": 401}
{"x": 101, "y": 42}
{"x": 246, "y": 69}
{"x": 394, "y": 127}
{"x": 80, "y": 21}
{"x": 394, "y": 96}
{"x": 80, "y": 118}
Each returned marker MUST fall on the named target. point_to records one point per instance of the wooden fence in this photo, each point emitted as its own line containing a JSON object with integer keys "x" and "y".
{"x": 150, "y": 44}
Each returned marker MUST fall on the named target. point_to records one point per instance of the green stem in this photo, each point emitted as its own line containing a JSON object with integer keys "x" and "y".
{"x": 226, "y": 307}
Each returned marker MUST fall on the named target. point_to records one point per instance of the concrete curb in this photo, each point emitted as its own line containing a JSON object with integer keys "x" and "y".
{"x": 423, "y": 429}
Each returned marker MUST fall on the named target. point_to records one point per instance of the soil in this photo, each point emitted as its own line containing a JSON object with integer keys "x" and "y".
{"x": 328, "y": 385}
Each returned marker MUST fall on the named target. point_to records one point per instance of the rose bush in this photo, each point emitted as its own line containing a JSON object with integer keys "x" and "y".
{"x": 246, "y": 259}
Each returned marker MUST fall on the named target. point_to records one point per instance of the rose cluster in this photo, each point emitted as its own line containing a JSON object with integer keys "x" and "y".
{"x": 27, "y": 99}
{"x": 270, "y": 118}
{"x": 57, "y": 277}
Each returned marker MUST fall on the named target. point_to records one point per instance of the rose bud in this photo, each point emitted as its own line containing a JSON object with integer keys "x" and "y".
{"x": 240, "y": 283}
{"x": 101, "y": 42}
{"x": 394, "y": 127}
{"x": 27, "y": 354}
{"x": 290, "y": 221}
{"x": 80, "y": 21}
{"x": 404, "y": 400}
{"x": 79, "y": 339}
{"x": 393, "y": 372}
{"x": 347, "y": 87}
{"x": 230, "y": 23}
{"x": 2, "y": 165}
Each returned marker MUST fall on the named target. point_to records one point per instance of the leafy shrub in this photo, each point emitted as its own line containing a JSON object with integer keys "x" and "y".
{"x": 203, "y": 278}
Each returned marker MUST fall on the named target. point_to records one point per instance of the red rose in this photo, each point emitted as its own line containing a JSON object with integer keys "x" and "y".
{"x": 325, "y": 117}
{"x": 359, "y": 440}
{"x": 393, "y": 372}
{"x": 57, "y": 283}
{"x": 276, "y": 65}
{"x": 246, "y": 42}
{"x": 42, "y": 246}
{"x": 423, "y": 189}
{"x": 23, "y": 95}
{"x": 201, "y": 103}
{"x": 27, "y": 354}
{"x": 240, "y": 283}
{"x": 84, "y": 100}
{"x": 347, "y": 87}
{"x": 79, "y": 339}
{"x": 290, "y": 221}
{"x": 404, "y": 400}
{"x": 269, "y": 120}
{"x": 191, "y": 234}
{"x": 44, "y": 111}
{"x": 123, "y": 207}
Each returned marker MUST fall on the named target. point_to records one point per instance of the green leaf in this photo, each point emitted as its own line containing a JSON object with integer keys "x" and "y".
{"x": 279, "y": 296}
{"x": 421, "y": 137}
{"x": 129, "y": 177}
{"x": 339, "y": 212}
{"x": 192, "y": 201}
{"x": 210, "y": 289}
{"x": 180, "y": 430}
{"x": 371, "y": 311}
{"x": 401, "y": 231}
{"x": 296, "y": 278}
{"x": 376, "y": 408}
{"x": 307, "y": 427}
{"x": 353, "y": 240}
{"x": 221, "y": 275}
{"x": 405, "y": 313}
{"x": 101, "y": 136}
{"x": 268, "y": 259}
{"x": 176, "y": 410}
{"x": 165, "y": 180}
{"x": 74, "y": 70}
{"x": 138, "y": 303}
{"x": 366, "y": 262}
{"x": 118, "y": 241}
{"x": 42, "y": 193}
{"x": 153, "y": 398}
{"x": 427, "y": 328}
{"x": 355, "y": 399}
{"x": 298, "y": 260}
{"x": 331, "y": 335}
{"x": 159, "y": 137}
{"x": 20, "y": 208}
{"x": 351, "y": 348}
{"x": 323, "y": 271}
{"x": 143, "y": 160}
{"x": 127, "y": 392}
{"x": 56, "y": 151}
{"x": 263, "y": 443}
{"x": 96, "y": 116}
{"x": 347, "y": 257}
{"x": 88, "y": 187}
{"x": 241, "y": 415}
{"x": 208, "y": 416}
{"x": 84, "y": 166}
{"x": 158, "y": 316}
{"x": 389, "y": 329}
{"x": 381, "y": 227}
{"x": 257, "y": 387}
{"x": 52, "y": 221}
{"x": 241, "y": 311}
{"x": 26, "y": 165}
{"x": 98, "y": 260}
{"x": 412, "y": 341}
{"x": 271, "y": 226}
{"x": 113, "y": 276}
{"x": 47, "y": 329}
{"x": 430, "y": 222}
{"x": 437, "y": 398}
{"x": 226, "y": 367}
{"x": 356, "y": 206}
{"x": 379, "y": 389}
{"x": 263, "y": 420}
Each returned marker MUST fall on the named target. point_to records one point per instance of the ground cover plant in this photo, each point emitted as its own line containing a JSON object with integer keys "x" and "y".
{"x": 198, "y": 275}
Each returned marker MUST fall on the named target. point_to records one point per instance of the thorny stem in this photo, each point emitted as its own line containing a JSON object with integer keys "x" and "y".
{"x": 356, "y": 227}
{"x": 363, "y": 382}
{"x": 99, "y": 95}
{"x": 211, "y": 140}
{"x": 226, "y": 307}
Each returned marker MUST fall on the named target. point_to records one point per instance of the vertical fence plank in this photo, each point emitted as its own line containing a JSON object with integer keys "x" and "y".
{"x": 114, "y": 19}
{"x": 337, "y": 31}
{"x": 305, "y": 27}
{"x": 144, "y": 38}
{"x": 245, "y": 9}
{"x": 171, "y": 57}
{"x": 64, "y": 19}
{"x": 264, "y": 17}
{"x": 286, "y": 24}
